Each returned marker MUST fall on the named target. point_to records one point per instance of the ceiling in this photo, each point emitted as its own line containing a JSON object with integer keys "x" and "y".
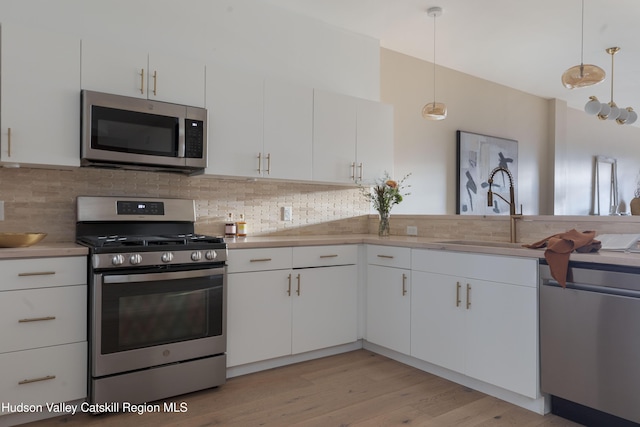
{"x": 522, "y": 44}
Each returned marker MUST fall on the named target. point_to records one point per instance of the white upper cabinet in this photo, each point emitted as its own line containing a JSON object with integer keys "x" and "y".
{"x": 288, "y": 134}
{"x": 374, "y": 135}
{"x": 258, "y": 128}
{"x": 352, "y": 139}
{"x": 236, "y": 118}
{"x": 110, "y": 68}
{"x": 334, "y": 137}
{"x": 40, "y": 97}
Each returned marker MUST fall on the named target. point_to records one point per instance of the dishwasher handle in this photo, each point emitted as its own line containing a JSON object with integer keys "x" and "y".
{"x": 594, "y": 288}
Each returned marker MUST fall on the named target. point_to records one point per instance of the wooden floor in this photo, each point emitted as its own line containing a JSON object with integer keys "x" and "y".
{"x": 359, "y": 388}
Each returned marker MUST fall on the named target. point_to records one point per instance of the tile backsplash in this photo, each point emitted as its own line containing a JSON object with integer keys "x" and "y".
{"x": 43, "y": 200}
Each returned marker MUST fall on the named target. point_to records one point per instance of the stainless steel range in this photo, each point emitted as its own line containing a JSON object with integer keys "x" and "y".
{"x": 157, "y": 306}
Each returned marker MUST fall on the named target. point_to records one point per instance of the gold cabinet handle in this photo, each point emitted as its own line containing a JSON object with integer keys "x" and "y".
{"x": 268, "y": 163}
{"x": 35, "y": 380}
{"x": 142, "y": 80}
{"x": 259, "y": 162}
{"x": 353, "y": 171}
{"x": 404, "y": 284}
{"x": 37, "y": 273}
{"x": 8, "y": 142}
{"x": 289, "y": 288}
{"x": 458, "y": 301}
{"x": 260, "y": 260}
{"x": 386, "y": 256}
{"x": 36, "y": 319}
{"x": 361, "y": 167}
{"x": 155, "y": 83}
{"x": 468, "y": 296}
{"x": 329, "y": 256}
{"x": 298, "y": 290}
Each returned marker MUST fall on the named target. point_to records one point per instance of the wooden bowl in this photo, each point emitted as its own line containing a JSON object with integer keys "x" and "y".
{"x": 20, "y": 240}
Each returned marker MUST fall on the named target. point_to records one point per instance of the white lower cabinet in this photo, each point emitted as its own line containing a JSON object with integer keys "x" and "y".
{"x": 290, "y": 309}
{"x": 468, "y": 323}
{"x": 388, "y": 299}
{"x": 43, "y": 316}
{"x": 389, "y": 307}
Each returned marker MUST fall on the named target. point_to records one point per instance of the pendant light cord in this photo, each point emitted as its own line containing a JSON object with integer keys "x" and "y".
{"x": 612, "y": 74}
{"x": 582, "y": 42}
{"x": 434, "y": 60}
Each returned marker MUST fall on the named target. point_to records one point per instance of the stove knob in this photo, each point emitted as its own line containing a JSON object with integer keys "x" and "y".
{"x": 210, "y": 255}
{"x": 196, "y": 256}
{"x": 135, "y": 259}
{"x": 117, "y": 259}
{"x": 167, "y": 257}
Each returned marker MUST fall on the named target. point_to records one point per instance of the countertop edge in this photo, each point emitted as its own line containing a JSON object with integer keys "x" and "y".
{"x": 44, "y": 250}
{"x": 602, "y": 257}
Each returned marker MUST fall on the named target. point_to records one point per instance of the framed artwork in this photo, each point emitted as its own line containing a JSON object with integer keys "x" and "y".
{"x": 477, "y": 156}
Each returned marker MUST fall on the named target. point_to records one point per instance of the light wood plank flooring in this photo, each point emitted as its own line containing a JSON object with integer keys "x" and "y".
{"x": 359, "y": 388}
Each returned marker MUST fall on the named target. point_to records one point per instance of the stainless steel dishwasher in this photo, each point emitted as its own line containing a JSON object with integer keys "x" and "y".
{"x": 590, "y": 339}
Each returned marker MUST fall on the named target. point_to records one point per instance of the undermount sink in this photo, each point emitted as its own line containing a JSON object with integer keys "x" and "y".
{"x": 481, "y": 243}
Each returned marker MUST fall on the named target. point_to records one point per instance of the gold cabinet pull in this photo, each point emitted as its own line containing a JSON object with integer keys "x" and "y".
{"x": 36, "y": 319}
{"x": 155, "y": 83}
{"x": 298, "y": 290}
{"x": 259, "y": 162}
{"x": 329, "y": 256}
{"x": 268, "y": 163}
{"x": 289, "y": 288}
{"x": 458, "y": 301}
{"x": 353, "y": 171}
{"x": 404, "y": 284}
{"x": 37, "y": 273}
{"x": 468, "y": 296}
{"x": 8, "y": 142}
{"x": 361, "y": 167}
{"x": 142, "y": 80}
{"x": 260, "y": 260}
{"x": 386, "y": 256}
{"x": 35, "y": 380}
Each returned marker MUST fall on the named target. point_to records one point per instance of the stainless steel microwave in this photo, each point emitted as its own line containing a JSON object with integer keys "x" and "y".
{"x": 134, "y": 133}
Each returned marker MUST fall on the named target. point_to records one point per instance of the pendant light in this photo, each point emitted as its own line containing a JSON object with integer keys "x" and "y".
{"x": 584, "y": 74}
{"x": 434, "y": 110}
{"x": 610, "y": 111}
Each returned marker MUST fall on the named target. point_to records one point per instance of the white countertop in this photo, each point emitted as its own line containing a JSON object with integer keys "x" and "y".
{"x": 496, "y": 248}
{"x": 44, "y": 250}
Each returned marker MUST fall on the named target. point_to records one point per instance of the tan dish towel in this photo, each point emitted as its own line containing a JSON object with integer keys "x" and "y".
{"x": 559, "y": 247}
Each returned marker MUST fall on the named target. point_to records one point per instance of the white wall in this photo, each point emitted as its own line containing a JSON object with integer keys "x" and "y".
{"x": 247, "y": 33}
{"x": 427, "y": 149}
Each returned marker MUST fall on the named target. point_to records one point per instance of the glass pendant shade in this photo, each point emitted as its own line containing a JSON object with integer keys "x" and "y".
{"x": 593, "y": 107}
{"x": 582, "y": 75}
{"x": 434, "y": 111}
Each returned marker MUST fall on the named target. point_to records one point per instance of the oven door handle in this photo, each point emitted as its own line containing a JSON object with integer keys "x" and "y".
{"x": 170, "y": 275}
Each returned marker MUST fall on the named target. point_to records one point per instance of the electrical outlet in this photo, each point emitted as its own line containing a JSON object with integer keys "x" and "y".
{"x": 287, "y": 213}
{"x": 1, "y": 210}
{"x": 412, "y": 230}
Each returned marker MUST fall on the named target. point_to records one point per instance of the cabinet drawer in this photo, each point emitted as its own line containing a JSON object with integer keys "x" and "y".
{"x": 258, "y": 259}
{"x": 494, "y": 268}
{"x": 43, "y": 317}
{"x": 42, "y": 272}
{"x": 321, "y": 256}
{"x": 389, "y": 256}
{"x": 50, "y": 374}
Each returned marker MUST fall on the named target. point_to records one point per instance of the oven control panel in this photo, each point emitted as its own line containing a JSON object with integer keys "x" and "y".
{"x": 129, "y": 207}
{"x": 150, "y": 259}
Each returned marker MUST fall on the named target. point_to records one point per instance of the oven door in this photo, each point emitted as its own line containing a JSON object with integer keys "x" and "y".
{"x": 141, "y": 320}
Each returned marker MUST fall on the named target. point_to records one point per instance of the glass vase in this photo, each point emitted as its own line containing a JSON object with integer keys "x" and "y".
{"x": 383, "y": 226}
